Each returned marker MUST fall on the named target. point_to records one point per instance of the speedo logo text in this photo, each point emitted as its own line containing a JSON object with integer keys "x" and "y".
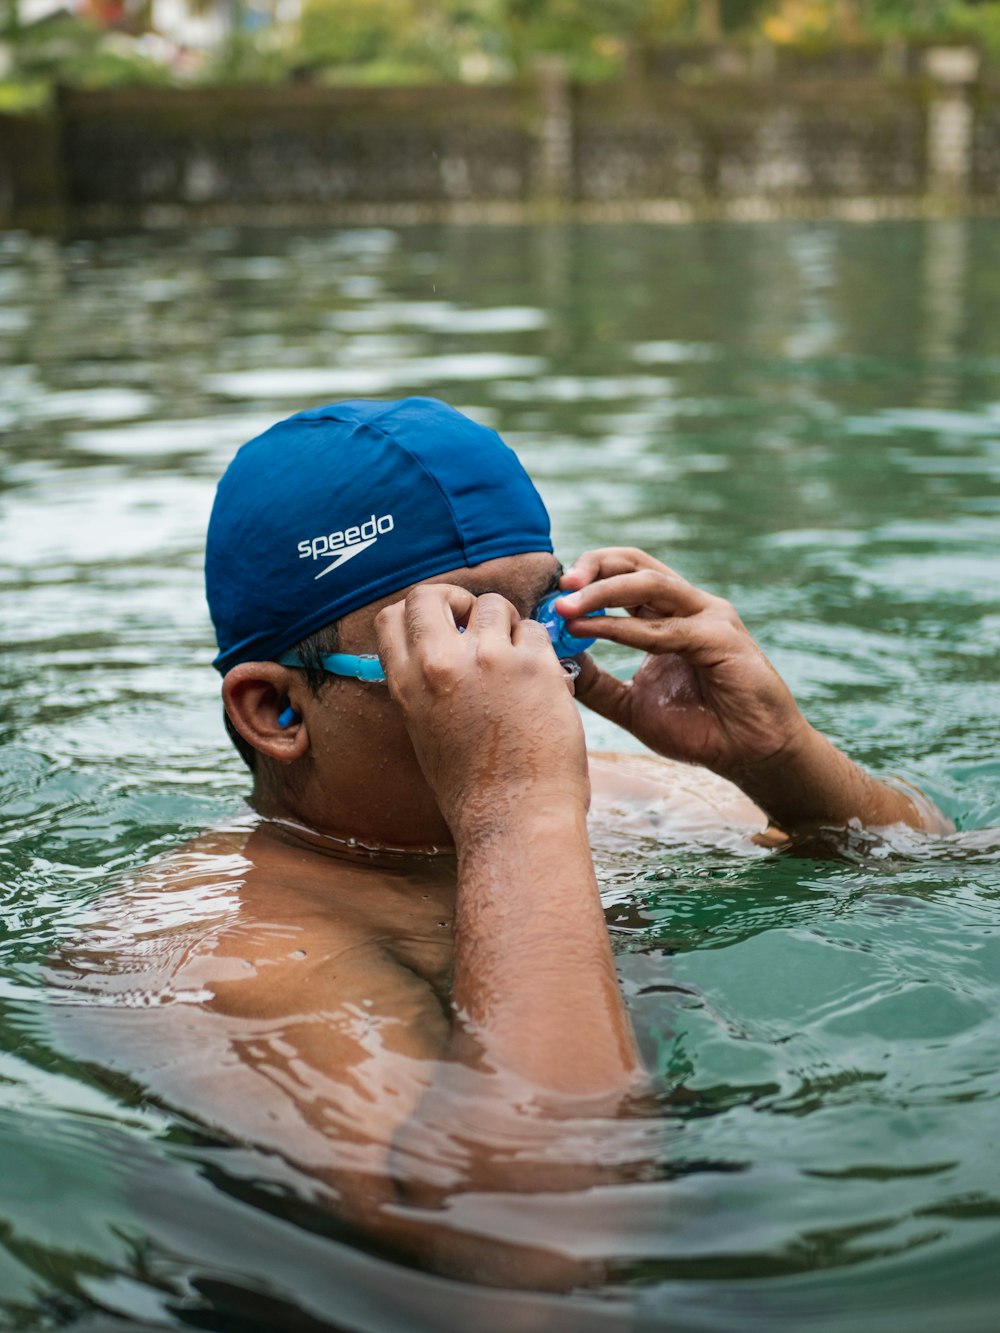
{"x": 344, "y": 545}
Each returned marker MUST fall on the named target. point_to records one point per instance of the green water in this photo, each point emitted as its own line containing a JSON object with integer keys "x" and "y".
{"x": 805, "y": 418}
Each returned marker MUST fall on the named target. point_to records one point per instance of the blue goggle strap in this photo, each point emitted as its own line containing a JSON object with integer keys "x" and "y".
{"x": 366, "y": 667}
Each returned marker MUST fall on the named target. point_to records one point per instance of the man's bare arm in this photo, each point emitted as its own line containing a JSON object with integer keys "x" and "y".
{"x": 492, "y": 720}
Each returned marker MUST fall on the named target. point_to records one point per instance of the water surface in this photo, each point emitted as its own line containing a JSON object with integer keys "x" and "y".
{"x": 803, "y": 417}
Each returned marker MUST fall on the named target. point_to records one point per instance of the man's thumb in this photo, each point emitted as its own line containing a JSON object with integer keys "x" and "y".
{"x": 602, "y": 692}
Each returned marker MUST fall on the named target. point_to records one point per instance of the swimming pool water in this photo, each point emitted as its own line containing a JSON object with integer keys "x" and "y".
{"x": 803, "y": 417}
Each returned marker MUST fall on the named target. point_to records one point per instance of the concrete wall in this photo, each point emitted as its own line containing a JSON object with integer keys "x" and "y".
{"x": 31, "y": 186}
{"x": 755, "y": 141}
{"x": 127, "y": 153}
{"x": 742, "y": 140}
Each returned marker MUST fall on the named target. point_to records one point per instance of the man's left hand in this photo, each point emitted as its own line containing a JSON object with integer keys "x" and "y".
{"x": 705, "y": 694}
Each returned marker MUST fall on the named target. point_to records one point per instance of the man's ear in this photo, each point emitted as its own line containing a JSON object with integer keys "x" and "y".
{"x": 256, "y": 695}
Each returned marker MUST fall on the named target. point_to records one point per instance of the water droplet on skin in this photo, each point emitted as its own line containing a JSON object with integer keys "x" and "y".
{"x": 298, "y": 953}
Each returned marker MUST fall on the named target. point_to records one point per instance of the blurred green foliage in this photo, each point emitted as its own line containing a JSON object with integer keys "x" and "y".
{"x": 394, "y": 40}
{"x": 493, "y": 38}
{"x": 72, "y": 50}
{"x": 412, "y": 41}
{"x": 480, "y": 38}
{"x": 980, "y": 21}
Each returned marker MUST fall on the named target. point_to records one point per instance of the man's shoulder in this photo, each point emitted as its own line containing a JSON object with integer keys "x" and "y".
{"x": 647, "y": 796}
{"x": 245, "y": 921}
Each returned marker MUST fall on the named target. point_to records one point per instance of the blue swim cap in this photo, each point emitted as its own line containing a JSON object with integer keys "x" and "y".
{"x": 341, "y": 505}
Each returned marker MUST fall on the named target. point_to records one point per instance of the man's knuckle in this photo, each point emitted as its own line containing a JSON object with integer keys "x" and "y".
{"x": 496, "y": 602}
{"x": 724, "y": 610}
{"x": 437, "y": 669}
{"x": 488, "y": 656}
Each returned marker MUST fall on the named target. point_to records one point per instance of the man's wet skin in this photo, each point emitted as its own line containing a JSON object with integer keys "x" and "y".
{"x": 413, "y": 1030}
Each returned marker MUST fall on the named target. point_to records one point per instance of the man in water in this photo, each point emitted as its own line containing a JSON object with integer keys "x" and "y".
{"x": 395, "y": 973}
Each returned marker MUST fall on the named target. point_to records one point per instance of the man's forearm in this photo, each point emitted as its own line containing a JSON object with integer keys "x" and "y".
{"x": 534, "y": 976}
{"x": 539, "y": 1028}
{"x": 812, "y": 783}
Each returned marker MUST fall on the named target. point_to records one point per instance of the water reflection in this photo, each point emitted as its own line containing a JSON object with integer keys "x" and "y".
{"x": 944, "y": 281}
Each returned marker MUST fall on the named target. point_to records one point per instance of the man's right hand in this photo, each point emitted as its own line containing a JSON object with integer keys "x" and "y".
{"x": 489, "y": 710}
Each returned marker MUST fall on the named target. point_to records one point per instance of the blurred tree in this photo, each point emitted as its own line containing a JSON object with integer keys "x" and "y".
{"x": 570, "y": 27}
{"x": 354, "y": 31}
{"x": 663, "y": 19}
{"x": 797, "y": 20}
{"x": 709, "y": 20}
{"x": 445, "y": 35}
{"x": 74, "y": 50}
{"x": 743, "y": 15}
{"x": 979, "y": 19}
{"x": 790, "y": 20}
{"x": 233, "y": 55}
{"x": 401, "y": 36}
{"x": 412, "y": 40}
{"x": 847, "y": 20}
{"x": 905, "y": 15}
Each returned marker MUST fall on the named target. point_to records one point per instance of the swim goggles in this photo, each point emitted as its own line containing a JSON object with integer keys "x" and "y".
{"x": 367, "y": 667}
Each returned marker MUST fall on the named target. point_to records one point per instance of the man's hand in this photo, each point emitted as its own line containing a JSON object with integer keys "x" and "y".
{"x": 489, "y": 710}
{"x": 707, "y": 695}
